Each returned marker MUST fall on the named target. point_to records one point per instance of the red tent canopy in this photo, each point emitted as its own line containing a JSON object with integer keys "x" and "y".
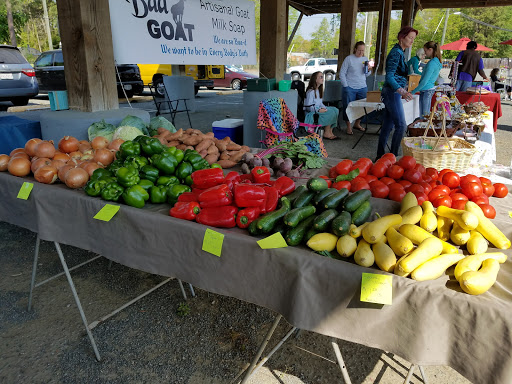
{"x": 508, "y": 42}
{"x": 460, "y": 45}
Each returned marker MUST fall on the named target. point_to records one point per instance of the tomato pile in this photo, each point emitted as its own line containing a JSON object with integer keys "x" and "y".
{"x": 390, "y": 179}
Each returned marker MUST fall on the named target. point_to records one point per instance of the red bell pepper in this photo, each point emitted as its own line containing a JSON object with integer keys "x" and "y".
{"x": 260, "y": 175}
{"x": 220, "y": 217}
{"x": 247, "y": 178}
{"x": 329, "y": 181}
{"x": 284, "y": 185}
{"x": 207, "y": 178}
{"x": 232, "y": 178}
{"x": 185, "y": 210}
{"x": 246, "y": 216}
{"x": 248, "y": 195}
{"x": 188, "y": 196}
{"x": 272, "y": 198}
{"x": 217, "y": 196}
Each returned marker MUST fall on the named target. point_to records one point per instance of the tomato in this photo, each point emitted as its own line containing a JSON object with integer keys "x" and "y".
{"x": 426, "y": 187}
{"x": 432, "y": 172}
{"x": 329, "y": 181}
{"x": 488, "y": 210}
{"x": 389, "y": 156}
{"x": 407, "y": 162}
{"x": 444, "y": 188}
{"x": 485, "y": 180}
{"x": 442, "y": 200}
{"x": 435, "y": 193}
{"x": 421, "y": 197}
{"x": 363, "y": 164}
{"x": 413, "y": 176}
{"x": 456, "y": 190}
{"x": 415, "y": 188}
{"x": 357, "y": 179}
{"x": 482, "y": 199}
{"x": 472, "y": 189}
{"x": 500, "y": 190}
{"x": 421, "y": 169}
{"x": 405, "y": 183}
{"x": 379, "y": 189}
{"x": 387, "y": 180}
{"x": 446, "y": 170}
{"x": 359, "y": 185}
{"x": 469, "y": 179}
{"x": 396, "y": 194}
{"x": 386, "y": 161}
{"x": 370, "y": 178}
{"x": 459, "y": 196}
{"x": 451, "y": 179}
{"x": 396, "y": 186}
{"x": 379, "y": 169}
{"x": 333, "y": 173}
{"x": 343, "y": 167}
{"x": 459, "y": 204}
{"x": 488, "y": 189}
{"x": 342, "y": 184}
{"x": 395, "y": 172}
{"x": 427, "y": 178}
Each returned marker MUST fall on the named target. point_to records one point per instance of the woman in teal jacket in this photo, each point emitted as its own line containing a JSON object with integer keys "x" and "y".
{"x": 426, "y": 86}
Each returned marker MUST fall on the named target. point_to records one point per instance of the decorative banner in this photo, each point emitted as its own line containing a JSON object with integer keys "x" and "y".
{"x": 107, "y": 212}
{"x": 183, "y": 31}
{"x": 25, "y": 190}
{"x": 274, "y": 241}
{"x": 212, "y": 242}
{"x": 377, "y": 288}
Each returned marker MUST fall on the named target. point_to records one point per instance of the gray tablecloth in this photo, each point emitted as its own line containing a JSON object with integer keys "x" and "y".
{"x": 429, "y": 323}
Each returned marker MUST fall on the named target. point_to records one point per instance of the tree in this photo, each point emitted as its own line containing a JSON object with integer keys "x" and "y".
{"x": 323, "y": 40}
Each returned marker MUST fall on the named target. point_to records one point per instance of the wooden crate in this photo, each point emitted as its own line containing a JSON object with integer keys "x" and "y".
{"x": 414, "y": 80}
{"x": 373, "y": 96}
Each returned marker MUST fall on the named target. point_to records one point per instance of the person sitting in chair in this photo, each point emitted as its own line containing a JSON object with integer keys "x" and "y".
{"x": 497, "y": 85}
{"x": 327, "y": 116}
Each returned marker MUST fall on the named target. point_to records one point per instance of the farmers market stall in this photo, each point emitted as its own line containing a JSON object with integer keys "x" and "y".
{"x": 428, "y": 323}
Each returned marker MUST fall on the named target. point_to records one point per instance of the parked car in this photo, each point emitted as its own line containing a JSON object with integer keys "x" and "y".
{"x": 49, "y": 69}
{"x": 304, "y": 72}
{"x": 234, "y": 77}
{"x": 17, "y": 77}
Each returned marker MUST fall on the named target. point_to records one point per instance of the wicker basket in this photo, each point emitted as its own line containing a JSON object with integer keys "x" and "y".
{"x": 415, "y": 132}
{"x": 456, "y": 158}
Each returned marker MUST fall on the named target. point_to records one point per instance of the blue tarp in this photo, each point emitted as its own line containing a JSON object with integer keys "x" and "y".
{"x": 15, "y": 132}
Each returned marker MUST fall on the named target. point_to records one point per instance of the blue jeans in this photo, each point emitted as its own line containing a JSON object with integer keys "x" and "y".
{"x": 394, "y": 117}
{"x": 351, "y": 94}
{"x": 426, "y": 101}
{"x": 462, "y": 85}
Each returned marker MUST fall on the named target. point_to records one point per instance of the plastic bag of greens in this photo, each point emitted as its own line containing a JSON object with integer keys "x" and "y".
{"x": 101, "y": 128}
{"x": 134, "y": 121}
{"x": 160, "y": 122}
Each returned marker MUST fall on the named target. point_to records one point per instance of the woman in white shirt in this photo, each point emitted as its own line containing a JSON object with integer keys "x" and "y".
{"x": 353, "y": 73}
{"x": 327, "y": 116}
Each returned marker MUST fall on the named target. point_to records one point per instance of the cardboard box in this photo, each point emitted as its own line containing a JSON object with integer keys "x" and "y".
{"x": 414, "y": 80}
{"x": 373, "y": 96}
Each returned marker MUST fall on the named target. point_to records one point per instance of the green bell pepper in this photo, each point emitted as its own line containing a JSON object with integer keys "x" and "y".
{"x": 149, "y": 172}
{"x": 184, "y": 169}
{"x": 215, "y": 165}
{"x": 128, "y": 148}
{"x": 100, "y": 172}
{"x": 114, "y": 166}
{"x": 135, "y": 196}
{"x": 201, "y": 164}
{"x": 171, "y": 150}
{"x": 127, "y": 176}
{"x": 112, "y": 191}
{"x": 179, "y": 155}
{"x": 174, "y": 191}
{"x": 189, "y": 181}
{"x": 146, "y": 184}
{"x": 151, "y": 146}
{"x": 136, "y": 161}
{"x": 94, "y": 187}
{"x": 165, "y": 162}
{"x": 158, "y": 194}
{"x": 167, "y": 180}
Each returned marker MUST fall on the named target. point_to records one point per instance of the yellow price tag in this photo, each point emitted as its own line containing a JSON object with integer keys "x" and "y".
{"x": 274, "y": 241}
{"x": 107, "y": 212}
{"x": 377, "y": 288}
{"x": 212, "y": 242}
{"x": 25, "y": 190}
{"x": 510, "y": 214}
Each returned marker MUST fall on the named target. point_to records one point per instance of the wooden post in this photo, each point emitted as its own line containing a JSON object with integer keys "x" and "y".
{"x": 273, "y": 38}
{"x": 347, "y": 30}
{"x": 381, "y": 48}
{"x": 88, "y": 54}
{"x": 408, "y": 13}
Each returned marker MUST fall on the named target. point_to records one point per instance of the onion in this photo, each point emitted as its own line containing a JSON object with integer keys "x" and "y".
{"x": 19, "y": 166}
{"x": 45, "y": 149}
{"x": 76, "y": 178}
{"x": 68, "y": 144}
{"x": 84, "y": 146}
{"x": 4, "y": 161}
{"x": 82, "y": 164}
{"x": 61, "y": 156}
{"x": 75, "y": 155}
{"x": 57, "y": 163}
{"x": 36, "y": 164}
{"x": 20, "y": 154}
{"x": 30, "y": 146}
{"x": 115, "y": 144}
{"x": 46, "y": 174}
{"x": 104, "y": 156}
{"x": 87, "y": 156}
{"x": 99, "y": 142}
{"x": 91, "y": 167}
{"x": 63, "y": 170}
{"x": 84, "y": 142}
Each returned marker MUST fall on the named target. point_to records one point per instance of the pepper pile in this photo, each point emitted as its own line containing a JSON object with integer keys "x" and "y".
{"x": 232, "y": 200}
{"x": 146, "y": 171}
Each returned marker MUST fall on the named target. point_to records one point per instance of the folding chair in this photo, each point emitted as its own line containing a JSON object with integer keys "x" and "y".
{"x": 300, "y": 87}
{"x": 158, "y": 98}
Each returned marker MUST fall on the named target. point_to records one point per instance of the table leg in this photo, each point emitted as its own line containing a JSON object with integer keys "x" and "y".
{"x": 341, "y": 362}
{"x": 365, "y": 129}
{"x": 34, "y": 270}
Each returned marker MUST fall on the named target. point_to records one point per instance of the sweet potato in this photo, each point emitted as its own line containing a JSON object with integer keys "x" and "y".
{"x": 173, "y": 143}
{"x": 237, "y": 156}
{"x": 211, "y": 135}
{"x": 226, "y": 163}
{"x": 205, "y": 144}
{"x": 197, "y": 132}
{"x": 233, "y": 147}
{"x": 191, "y": 140}
{"x": 175, "y": 136}
{"x": 203, "y": 153}
{"x": 182, "y": 147}
{"x": 190, "y": 147}
{"x": 213, "y": 150}
{"x": 211, "y": 158}
{"x": 224, "y": 155}
{"x": 162, "y": 140}
{"x": 161, "y": 130}
{"x": 221, "y": 145}
{"x": 189, "y": 131}
{"x": 246, "y": 148}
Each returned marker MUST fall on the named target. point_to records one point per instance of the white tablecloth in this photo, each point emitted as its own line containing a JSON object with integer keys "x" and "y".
{"x": 355, "y": 109}
{"x": 486, "y": 146}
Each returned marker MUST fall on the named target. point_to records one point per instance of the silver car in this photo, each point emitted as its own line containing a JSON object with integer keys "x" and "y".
{"x": 17, "y": 77}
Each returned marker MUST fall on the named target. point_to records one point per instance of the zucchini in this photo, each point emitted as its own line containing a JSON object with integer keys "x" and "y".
{"x": 323, "y": 220}
{"x": 304, "y": 199}
{"x": 353, "y": 202}
{"x": 333, "y": 201}
{"x": 295, "y": 235}
{"x": 296, "y": 193}
{"x": 317, "y": 184}
{"x": 341, "y": 224}
{"x": 267, "y": 222}
{"x": 309, "y": 234}
{"x": 253, "y": 229}
{"x": 317, "y": 200}
{"x": 280, "y": 227}
{"x": 296, "y": 215}
{"x": 362, "y": 214}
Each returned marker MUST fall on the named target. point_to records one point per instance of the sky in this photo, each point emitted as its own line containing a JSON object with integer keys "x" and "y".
{"x": 309, "y": 24}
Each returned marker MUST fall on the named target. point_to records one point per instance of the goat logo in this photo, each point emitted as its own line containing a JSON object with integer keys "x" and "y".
{"x": 177, "y": 11}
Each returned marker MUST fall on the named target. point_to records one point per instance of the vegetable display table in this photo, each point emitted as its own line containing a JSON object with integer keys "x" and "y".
{"x": 428, "y": 323}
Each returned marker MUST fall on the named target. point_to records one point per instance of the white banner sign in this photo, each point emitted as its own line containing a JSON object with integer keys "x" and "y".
{"x": 183, "y": 31}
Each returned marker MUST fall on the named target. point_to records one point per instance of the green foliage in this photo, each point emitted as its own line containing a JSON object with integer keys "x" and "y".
{"x": 323, "y": 40}
{"x": 183, "y": 309}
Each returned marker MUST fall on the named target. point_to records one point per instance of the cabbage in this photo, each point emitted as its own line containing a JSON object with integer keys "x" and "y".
{"x": 160, "y": 122}
{"x": 134, "y": 121}
{"x": 101, "y": 128}
{"x": 127, "y": 132}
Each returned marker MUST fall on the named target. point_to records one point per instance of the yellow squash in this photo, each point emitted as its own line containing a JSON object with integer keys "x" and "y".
{"x": 476, "y": 243}
{"x": 466, "y": 220}
{"x": 411, "y": 216}
{"x": 428, "y": 249}
{"x": 384, "y": 256}
{"x": 397, "y": 271}
{"x": 429, "y": 219}
{"x": 323, "y": 242}
{"x": 444, "y": 226}
{"x": 434, "y": 268}
{"x": 364, "y": 255}
{"x": 346, "y": 246}
{"x": 478, "y": 282}
{"x": 407, "y": 202}
{"x": 417, "y": 235}
{"x": 458, "y": 235}
{"x": 356, "y": 232}
{"x": 376, "y": 229}
{"x": 487, "y": 228}
{"x": 473, "y": 262}
{"x": 400, "y": 244}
